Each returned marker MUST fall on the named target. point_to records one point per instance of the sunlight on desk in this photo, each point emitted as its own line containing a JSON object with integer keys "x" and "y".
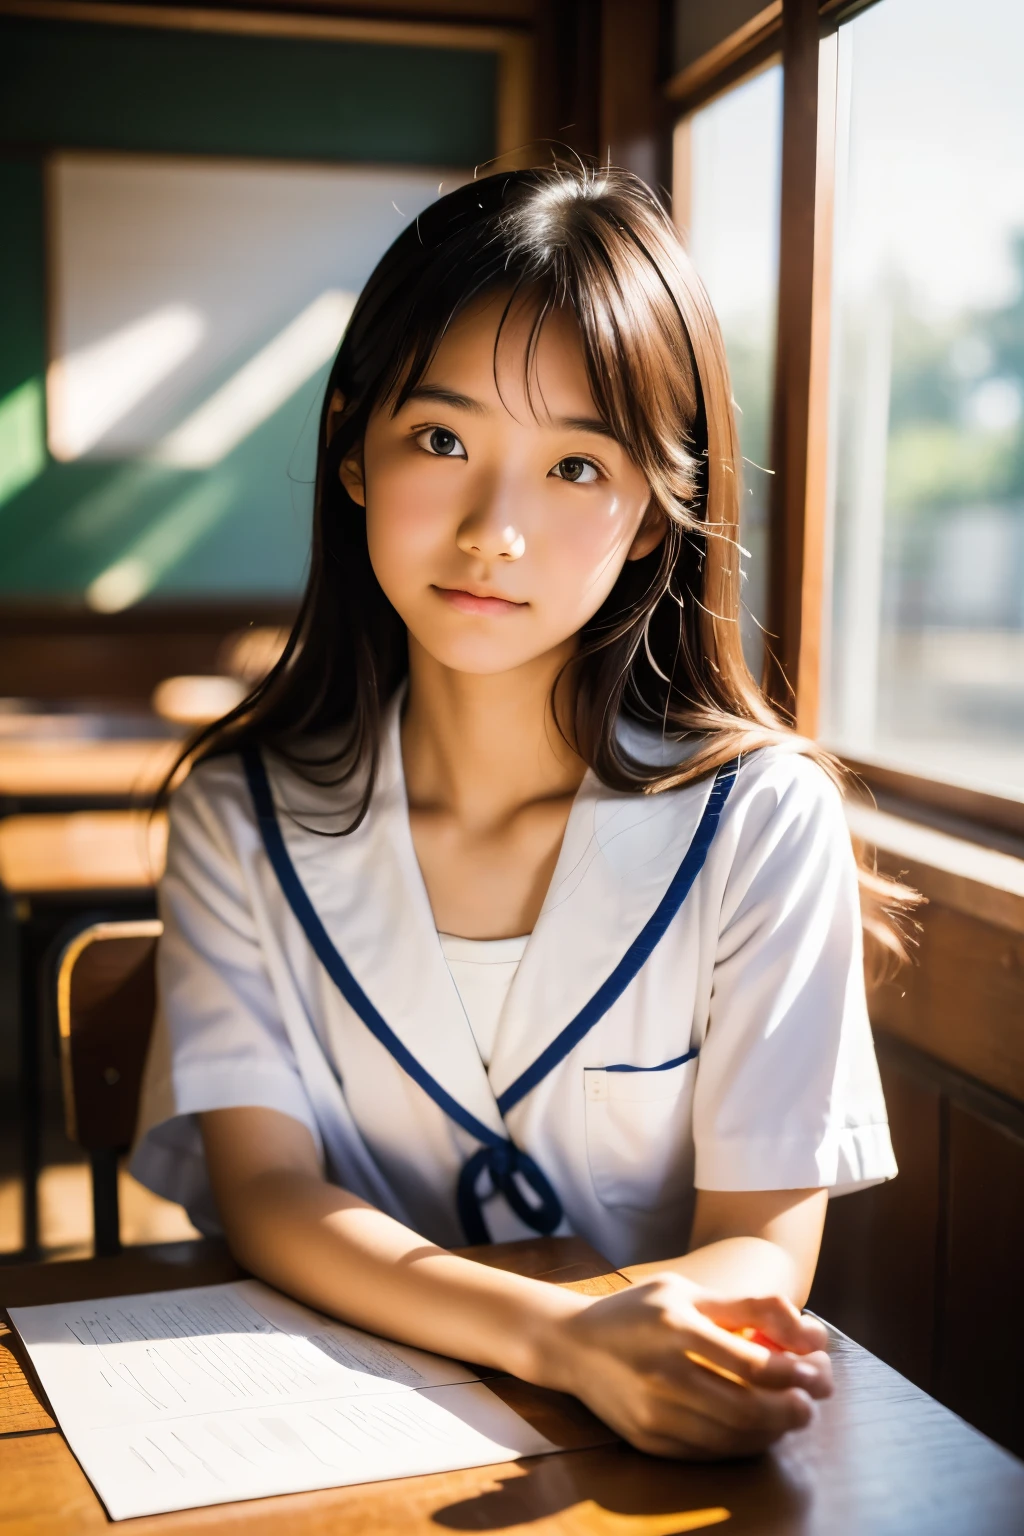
{"x": 66, "y": 1213}
{"x": 605, "y": 1522}
{"x": 196, "y": 700}
{"x": 85, "y": 850}
{"x": 58, "y": 767}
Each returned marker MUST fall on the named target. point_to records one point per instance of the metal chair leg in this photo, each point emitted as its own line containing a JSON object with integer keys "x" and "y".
{"x": 29, "y": 1083}
{"x": 106, "y": 1224}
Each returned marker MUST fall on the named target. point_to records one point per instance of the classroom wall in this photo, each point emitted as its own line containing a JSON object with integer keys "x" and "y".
{"x": 98, "y": 87}
{"x": 927, "y": 1271}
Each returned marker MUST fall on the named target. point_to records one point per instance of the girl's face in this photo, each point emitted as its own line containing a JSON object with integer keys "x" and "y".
{"x": 496, "y": 526}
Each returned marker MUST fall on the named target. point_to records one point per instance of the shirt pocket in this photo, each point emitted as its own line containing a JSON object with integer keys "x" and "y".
{"x": 640, "y": 1133}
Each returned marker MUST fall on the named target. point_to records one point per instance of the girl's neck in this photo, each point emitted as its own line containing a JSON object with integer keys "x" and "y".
{"x": 481, "y": 747}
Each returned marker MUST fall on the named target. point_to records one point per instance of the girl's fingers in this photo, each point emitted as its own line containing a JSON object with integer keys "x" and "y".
{"x": 753, "y": 1410}
{"x": 779, "y": 1373}
{"x": 718, "y": 1349}
{"x": 774, "y": 1316}
{"x": 720, "y": 1425}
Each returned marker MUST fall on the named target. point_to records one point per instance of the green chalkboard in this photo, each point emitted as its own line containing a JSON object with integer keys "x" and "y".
{"x": 105, "y": 87}
{"x": 98, "y": 87}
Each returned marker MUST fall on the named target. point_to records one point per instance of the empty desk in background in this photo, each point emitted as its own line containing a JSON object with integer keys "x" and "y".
{"x": 67, "y": 774}
{"x": 58, "y": 871}
{"x": 882, "y": 1458}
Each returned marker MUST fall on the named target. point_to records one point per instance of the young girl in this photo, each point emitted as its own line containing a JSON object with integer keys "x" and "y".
{"x": 505, "y": 905}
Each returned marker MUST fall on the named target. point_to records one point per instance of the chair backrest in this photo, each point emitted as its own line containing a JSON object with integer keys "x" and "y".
{"x": 106, "y": 996}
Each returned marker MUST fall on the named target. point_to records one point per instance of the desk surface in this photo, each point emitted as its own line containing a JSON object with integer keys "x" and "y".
{"x": 882, "y": 1458}
{"x": 63, "y": 769}
{"x": 81, "y": 851}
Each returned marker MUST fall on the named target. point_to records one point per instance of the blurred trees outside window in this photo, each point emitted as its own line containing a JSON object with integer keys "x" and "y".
{"x": 926, "y": 669}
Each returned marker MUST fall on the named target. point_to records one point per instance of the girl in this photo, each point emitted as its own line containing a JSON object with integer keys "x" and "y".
{"x": 505, "y": 905}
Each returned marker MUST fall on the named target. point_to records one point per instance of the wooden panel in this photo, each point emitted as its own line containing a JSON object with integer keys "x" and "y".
{"x": 629, "y": 94}
{"x": 720, "y": 65}
{"x": 962, "y": 1000}
{"x": 799, "y": 448}
{"x": 981, "y": 1367}
{"x": 47, "y": 652}
{"x": 89, "y": 769}
{"x": 82, "y": 851}
{"x": 948, "y": 870}
{"x": 568, "y": 92}
{"x": 106, "y": 999}
{"x": 996, "y": 811}
{"x": 566, "y": 1261}
{"x": 277, "y": 21}
{"x": 876, "y": 1274}
{"x": 517, "y": 12}
{"x": 20, "y": 1409}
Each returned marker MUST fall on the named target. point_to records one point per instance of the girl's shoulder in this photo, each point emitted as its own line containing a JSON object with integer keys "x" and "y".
{"x": 218, "y": 788}
{"x": 781, "y": 802}
{"x": 778, "y": 774}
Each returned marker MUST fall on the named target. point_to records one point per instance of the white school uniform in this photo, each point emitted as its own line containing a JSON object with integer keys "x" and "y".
{"x": 739, "y": 1056}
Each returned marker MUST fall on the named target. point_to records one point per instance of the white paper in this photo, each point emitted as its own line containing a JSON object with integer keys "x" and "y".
{"x": 222, "y": 1392}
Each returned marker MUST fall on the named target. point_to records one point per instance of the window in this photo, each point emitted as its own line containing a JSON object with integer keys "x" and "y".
{"x": 727, "y": 166}
{"x": 926, "y": 670}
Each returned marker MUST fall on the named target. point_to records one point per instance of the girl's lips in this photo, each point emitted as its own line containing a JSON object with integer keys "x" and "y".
{"x": 468, "y": 602}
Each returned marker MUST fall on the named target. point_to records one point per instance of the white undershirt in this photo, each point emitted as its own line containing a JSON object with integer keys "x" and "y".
{"x": 483, "y": 970}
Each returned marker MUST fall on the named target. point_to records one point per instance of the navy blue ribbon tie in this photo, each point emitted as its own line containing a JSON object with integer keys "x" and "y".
{"x": 507, "y": 1167}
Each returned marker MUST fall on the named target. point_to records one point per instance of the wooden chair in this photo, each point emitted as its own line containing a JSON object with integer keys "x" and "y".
{"x": 106, "y": 996}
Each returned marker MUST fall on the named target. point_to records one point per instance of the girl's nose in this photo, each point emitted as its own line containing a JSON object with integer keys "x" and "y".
{"x": 490, "y": 538}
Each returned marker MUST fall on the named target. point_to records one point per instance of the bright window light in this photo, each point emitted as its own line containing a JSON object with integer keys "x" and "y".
{"x": 91, "y": 390}
{"x": 261, "y": 386}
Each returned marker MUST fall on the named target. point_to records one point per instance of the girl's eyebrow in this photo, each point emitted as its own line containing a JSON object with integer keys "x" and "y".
{"x": 452, "y": 397}
{"x": 592, "y": 424}
{"x": 447, "y": 397}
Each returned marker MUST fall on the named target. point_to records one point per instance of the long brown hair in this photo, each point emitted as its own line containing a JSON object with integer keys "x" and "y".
{"x": 664, "y": 649}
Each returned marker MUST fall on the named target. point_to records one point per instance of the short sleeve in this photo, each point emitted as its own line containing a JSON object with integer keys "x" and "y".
{"x": 219, "y": 1041}
{"x": 787, "y": 1093}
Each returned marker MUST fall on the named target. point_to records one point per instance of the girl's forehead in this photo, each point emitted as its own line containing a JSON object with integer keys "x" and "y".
{"x": 508, "y": 352}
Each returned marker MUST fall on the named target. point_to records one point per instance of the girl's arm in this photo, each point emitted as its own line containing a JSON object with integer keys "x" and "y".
{"x": 637, "y": 1358}
{"x": 762, "y": 1241}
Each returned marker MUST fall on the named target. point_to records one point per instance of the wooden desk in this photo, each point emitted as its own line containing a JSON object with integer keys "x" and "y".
{"x": 58, "y": 871}
{"x": 58, "y": 854}
{"x": 72, "y": 773}
{"x": 882, "y": 1458}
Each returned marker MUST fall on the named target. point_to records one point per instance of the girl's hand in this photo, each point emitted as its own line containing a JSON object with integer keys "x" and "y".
{"x": 665, "y": 1365}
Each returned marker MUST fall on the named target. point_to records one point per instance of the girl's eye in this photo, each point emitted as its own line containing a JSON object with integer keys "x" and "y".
{"x": 440, "y": 441}
{"x": 579, "y": 471}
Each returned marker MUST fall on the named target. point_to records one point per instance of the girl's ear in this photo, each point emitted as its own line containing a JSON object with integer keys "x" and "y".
{"x": 350, "y": 473}
{"x": 650, "y": 533}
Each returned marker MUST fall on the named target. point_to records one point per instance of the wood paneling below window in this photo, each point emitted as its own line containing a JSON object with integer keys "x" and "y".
{"x": 876, "y": 1277}
{"x": 980, "y": 1369}
{"x": 928, "y": 1270}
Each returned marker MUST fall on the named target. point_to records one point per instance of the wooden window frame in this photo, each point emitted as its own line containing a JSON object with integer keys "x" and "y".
{"x": 793, "y": 31}
{"x": 512, "y": 45}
